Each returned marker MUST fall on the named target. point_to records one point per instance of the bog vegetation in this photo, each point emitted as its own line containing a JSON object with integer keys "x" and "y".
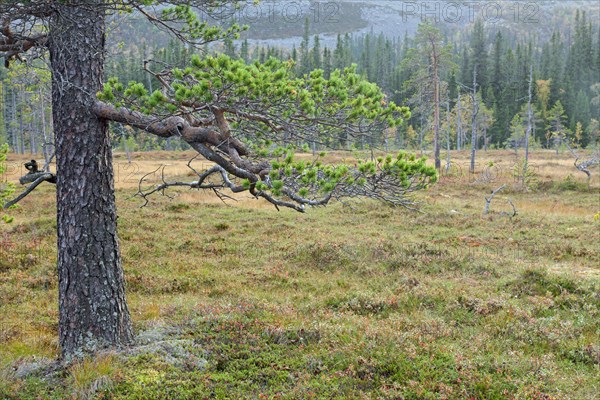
{"x": 491, "y": 289}
{"x": 238, "y": 300}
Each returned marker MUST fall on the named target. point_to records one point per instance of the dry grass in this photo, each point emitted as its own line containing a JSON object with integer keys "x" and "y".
{"x": 498, "y": 164}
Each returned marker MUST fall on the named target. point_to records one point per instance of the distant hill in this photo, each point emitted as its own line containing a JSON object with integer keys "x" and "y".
{"x": 282, "y": 23}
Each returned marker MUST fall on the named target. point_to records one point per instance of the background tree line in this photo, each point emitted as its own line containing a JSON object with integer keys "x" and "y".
{"x": 566, "y": 82}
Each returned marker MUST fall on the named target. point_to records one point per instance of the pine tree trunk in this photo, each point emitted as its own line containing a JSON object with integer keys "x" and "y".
{"x": 92, "y": 307}
{"x": 485, "y": 139}
{"x": 448, "y": 136}
{"x": 46, "y": 143}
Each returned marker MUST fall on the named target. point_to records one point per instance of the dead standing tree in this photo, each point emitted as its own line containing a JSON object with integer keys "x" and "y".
{"x": 529, "y": 129}
{"x": 585, "y": 165}
{"x": 475, "y": 104}
{"x": 474, "y": 120}
{"x": 488, "y": 202}
{"x": 224, "y": 109}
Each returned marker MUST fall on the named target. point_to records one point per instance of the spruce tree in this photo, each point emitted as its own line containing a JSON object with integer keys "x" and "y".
{"x": 229, "y": 48}
{"x": 479, "y": 56}
{"x": 581, "y": 113}
{"x": 338, "y": 53}
{"x": 244, "y": 51}
{"x": 327, "y": 67}
{"x": 305, "y": 59}
{"x": 316, "y": 53}
{"x": 465, "y": 69}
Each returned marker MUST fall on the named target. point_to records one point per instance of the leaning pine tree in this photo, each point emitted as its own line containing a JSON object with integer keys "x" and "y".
{"x": 249, "y": 119}
{"x": 245, "y": 119}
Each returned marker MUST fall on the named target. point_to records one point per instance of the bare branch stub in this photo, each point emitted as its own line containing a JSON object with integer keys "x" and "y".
{"x": 201, "y": 183}
{"x": 35, "y": 177}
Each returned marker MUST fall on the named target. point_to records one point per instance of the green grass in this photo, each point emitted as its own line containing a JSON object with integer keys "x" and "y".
{"x": 240, "y": 301}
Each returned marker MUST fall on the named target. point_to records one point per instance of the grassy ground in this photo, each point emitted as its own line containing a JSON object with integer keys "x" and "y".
{"x": 360, "y": 301}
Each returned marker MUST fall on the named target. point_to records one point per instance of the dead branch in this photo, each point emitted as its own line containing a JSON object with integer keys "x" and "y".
{"x": 488, "y": 200}
{"x": 514, "y": 213}
{"x": 584, "y": 166}
{"x": 36, "y": 178}
{"x": 198, "y": 184}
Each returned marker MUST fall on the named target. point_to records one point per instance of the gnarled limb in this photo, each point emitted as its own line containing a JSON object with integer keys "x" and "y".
{"x": 488, "y": 202}
{"x": 514, "y": 212}
{"x": 165, "y": 127}
{"x": 216, "y": 103}
{"x": 36, "y": 179}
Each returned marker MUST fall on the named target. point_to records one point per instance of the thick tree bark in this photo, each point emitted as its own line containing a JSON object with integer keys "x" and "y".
{"x": 92, "y": 307}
